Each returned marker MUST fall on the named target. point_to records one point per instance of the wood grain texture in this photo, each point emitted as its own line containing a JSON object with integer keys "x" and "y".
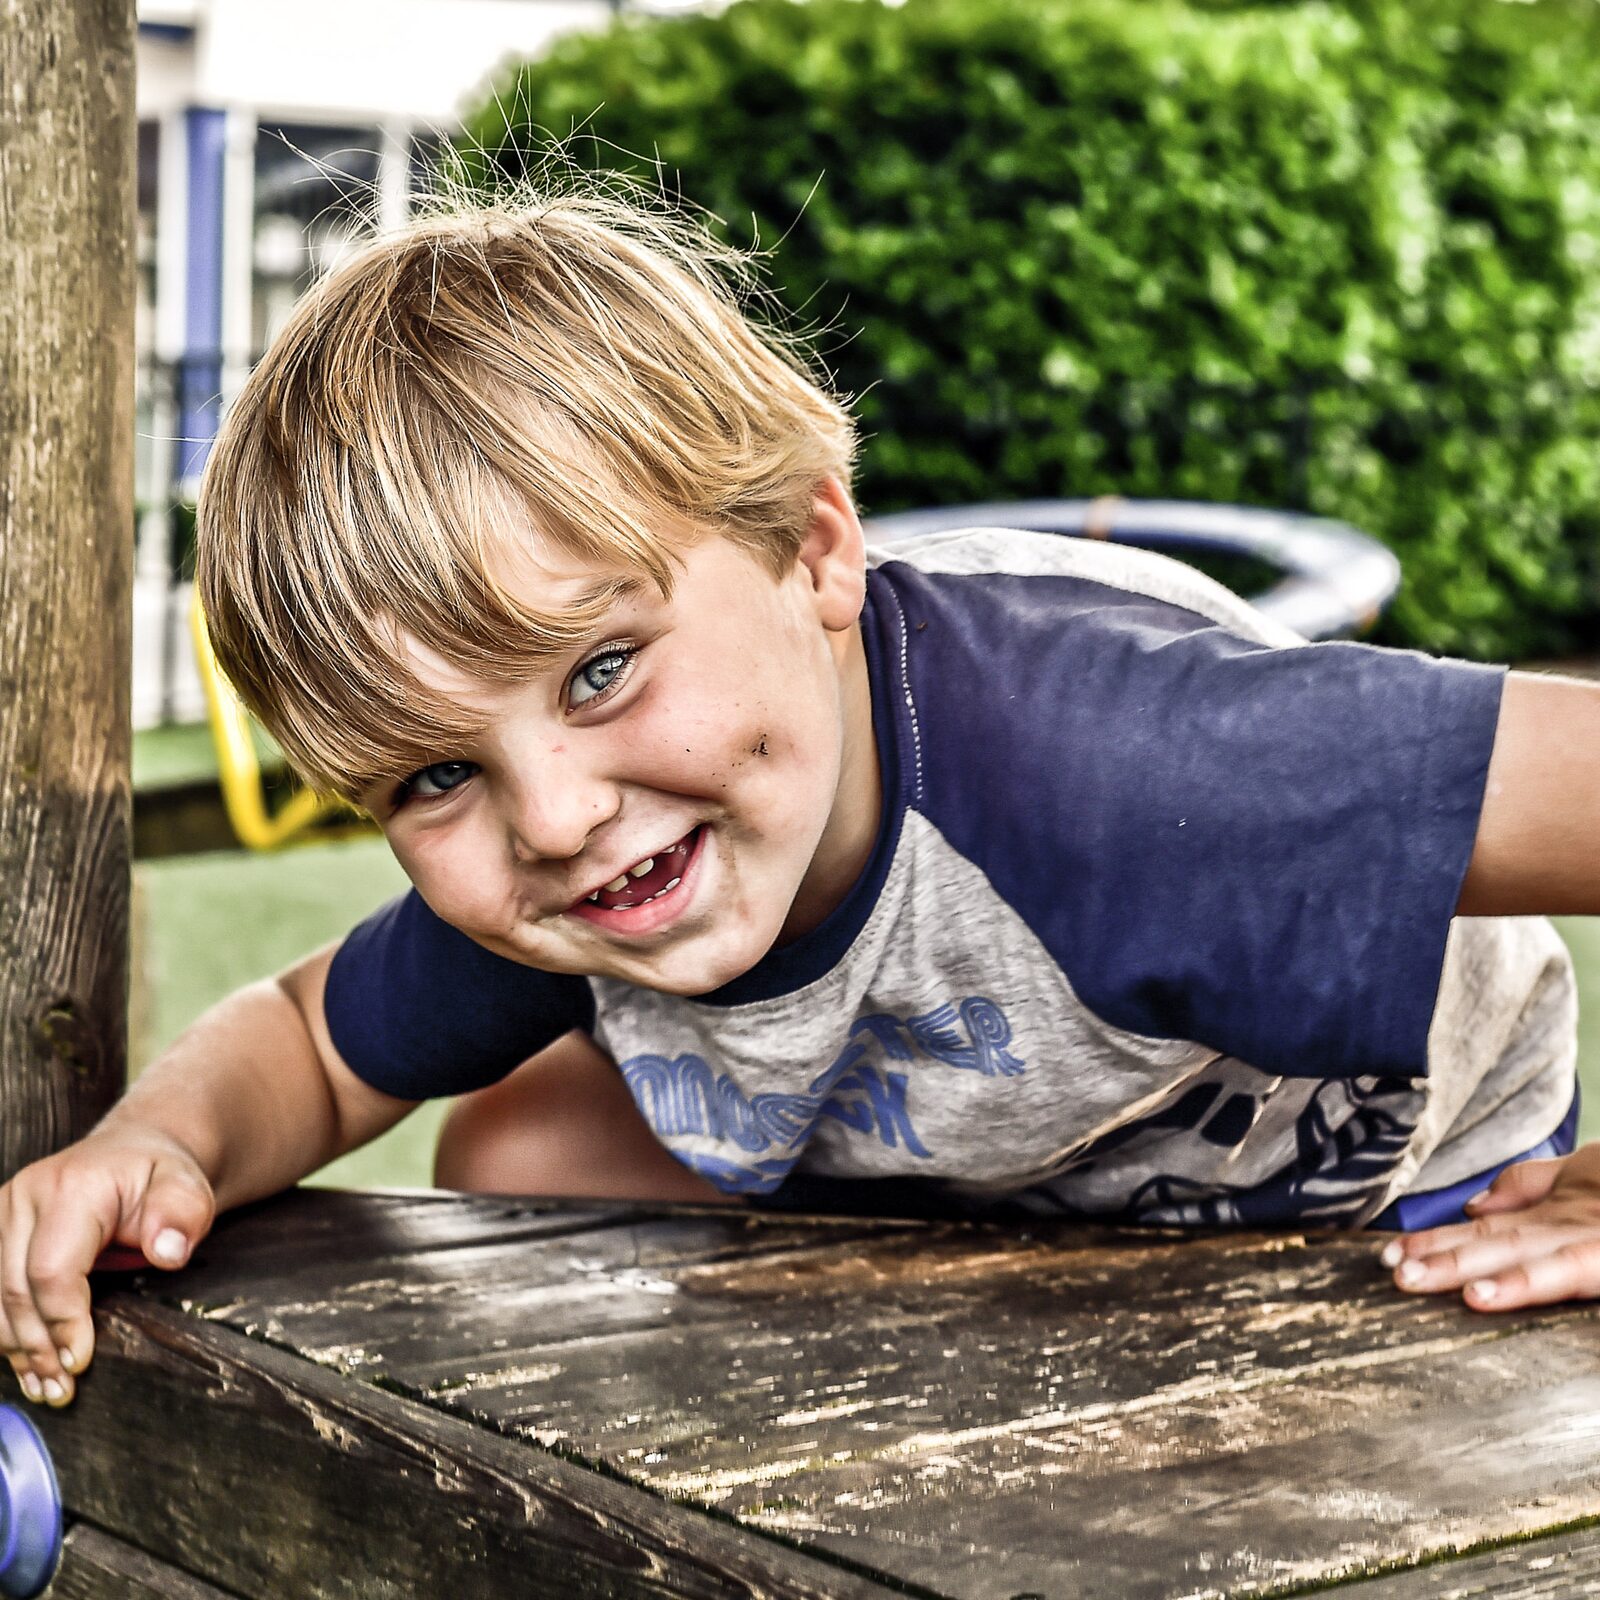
{"x": 1561, "y": 1567}
{"x": 425, "y": 1284}
{"x": 266, "y": 1475}
{"x": 66, "y": 536}
{"x": 986, "y": 1410}
{"x": 95, "y": 1566}
{"x": 266, "y": 1246}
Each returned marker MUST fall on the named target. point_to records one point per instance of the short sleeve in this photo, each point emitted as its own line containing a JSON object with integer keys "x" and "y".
{"x": 419, "y": 1010}
{"x": 1254, "y": 847}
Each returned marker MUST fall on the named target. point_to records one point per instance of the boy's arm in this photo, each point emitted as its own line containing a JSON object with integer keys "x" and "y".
{"x": 1538, "y": 842}
{"x": 248, "y": 1100}
{"x": 1534, "y": 1236}
{"x": 257, "y": 1091}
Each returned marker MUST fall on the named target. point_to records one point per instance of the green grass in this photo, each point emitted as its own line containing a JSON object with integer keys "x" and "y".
{"x": 1583, "y": 940}
{"x": 205, "y": 925}
{"x": 176, "y": 754}
{"x": 180, "y": 753}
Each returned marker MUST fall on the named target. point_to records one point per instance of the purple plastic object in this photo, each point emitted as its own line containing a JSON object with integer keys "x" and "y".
{"x": 30, "y": 1509}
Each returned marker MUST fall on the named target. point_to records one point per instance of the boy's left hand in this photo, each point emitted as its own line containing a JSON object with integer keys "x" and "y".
{"x": 1534, "y": 1239}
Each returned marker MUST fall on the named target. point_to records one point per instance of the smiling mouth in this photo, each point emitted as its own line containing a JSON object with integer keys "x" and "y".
{"x": 646, "y": 880}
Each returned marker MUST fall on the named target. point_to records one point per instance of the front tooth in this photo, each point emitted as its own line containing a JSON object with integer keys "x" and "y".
{"x": 617, "y": 885}
{"x": 643, "y": 867}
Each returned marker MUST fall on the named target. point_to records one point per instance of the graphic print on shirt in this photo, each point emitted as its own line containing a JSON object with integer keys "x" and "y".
{"x": 682, "y": 1096}
{"x": 1338, "y": 1140}
{"x": 1348, "y": 1140}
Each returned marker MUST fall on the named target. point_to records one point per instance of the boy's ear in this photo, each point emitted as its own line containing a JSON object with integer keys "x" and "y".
{"x": 834, "y": 554}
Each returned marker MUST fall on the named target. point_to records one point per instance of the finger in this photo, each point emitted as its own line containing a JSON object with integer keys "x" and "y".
{"x": 32, "y": 1351}
{"x": 12, "y": 1350}
{"x": 1519, "y": 1186}
{"x": 63, "y": 1248}
{"x": 1434, "y": 1241}
{"x": 1569, "y": 1273}
{"x": 8, "y": 1232}
{"x": 27, "y": 1379}
{"x": 177, "y": 1213}
{"x": 1481, "y": 1257}
{"x": 21, "y": 1340}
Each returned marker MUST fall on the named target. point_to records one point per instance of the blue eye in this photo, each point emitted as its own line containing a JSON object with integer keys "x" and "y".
{"x": 442, "y": 776}
{"x": 598, "y": 674}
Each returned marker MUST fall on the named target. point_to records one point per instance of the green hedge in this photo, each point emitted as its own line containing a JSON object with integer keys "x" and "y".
{"x": 1338, "y": 257}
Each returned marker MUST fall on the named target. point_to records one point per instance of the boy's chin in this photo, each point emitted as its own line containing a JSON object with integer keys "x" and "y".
{"x": 691, "y": 981}
{"x": 690, "y": 972}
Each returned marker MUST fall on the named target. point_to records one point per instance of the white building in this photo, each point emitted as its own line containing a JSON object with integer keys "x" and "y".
{"x": 270, "y": 133}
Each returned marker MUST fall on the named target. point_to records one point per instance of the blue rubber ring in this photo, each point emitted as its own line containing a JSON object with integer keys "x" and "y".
{"x": 30, "y": 1509}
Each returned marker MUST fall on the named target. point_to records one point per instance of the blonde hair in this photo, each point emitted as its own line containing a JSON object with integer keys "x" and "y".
{"x": 584, "y": 363}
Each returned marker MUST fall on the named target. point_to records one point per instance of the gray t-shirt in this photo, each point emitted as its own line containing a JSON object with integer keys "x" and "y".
{"x": 1157, "y": 926}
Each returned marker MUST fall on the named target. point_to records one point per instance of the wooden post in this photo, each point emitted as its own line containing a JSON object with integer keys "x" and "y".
{"x": 67, "y": 140}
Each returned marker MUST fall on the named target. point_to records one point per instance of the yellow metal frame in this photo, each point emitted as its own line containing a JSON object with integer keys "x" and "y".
{"x": 239, "y": 768}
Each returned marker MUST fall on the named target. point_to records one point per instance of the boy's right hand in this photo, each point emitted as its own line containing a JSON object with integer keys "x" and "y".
{"x": 118, "y": 1186}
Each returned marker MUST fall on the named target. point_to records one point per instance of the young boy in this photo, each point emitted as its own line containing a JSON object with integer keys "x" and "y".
{"x": 992, "y": 867}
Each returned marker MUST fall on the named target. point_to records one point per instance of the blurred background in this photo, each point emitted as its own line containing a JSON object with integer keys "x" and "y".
{"x": 1330, "y": 256}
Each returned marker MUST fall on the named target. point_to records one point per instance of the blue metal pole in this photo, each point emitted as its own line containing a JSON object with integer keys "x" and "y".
{"x": 200, "y": 371}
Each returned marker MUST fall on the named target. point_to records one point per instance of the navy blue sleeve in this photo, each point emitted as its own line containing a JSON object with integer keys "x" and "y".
{"x": 1257, "y": 849}
{"x": 418, "y": 1010}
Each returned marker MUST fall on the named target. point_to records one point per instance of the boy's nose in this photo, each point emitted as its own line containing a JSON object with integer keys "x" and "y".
{"x": 553, "y": 815}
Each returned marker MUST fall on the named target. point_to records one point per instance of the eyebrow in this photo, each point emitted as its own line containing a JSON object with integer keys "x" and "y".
{"x": 609, "y": 592}
{"x": 600, "y": 597}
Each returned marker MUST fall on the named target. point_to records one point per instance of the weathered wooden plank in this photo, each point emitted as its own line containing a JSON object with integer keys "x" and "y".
{"x": 942, "y": 1401}
{"x": 879, "y": 1328}
{"x": 1332, "y": 1475}
{"x": 991, "y": 1410}
{"x": 1559, "y": 1567}
{"x": 448, "y": 1300}
{"x": 268, "y": 1475}
{"x": 907, "y": 1335}
{"x": 66, "y": 542}
{"x": 270, "y": 1244}
{"x": 950, "y": 1430}
{"x": 460, "y": 1286}
{"x": 267, "y": 1247}
{"x": 96, "y": 1566}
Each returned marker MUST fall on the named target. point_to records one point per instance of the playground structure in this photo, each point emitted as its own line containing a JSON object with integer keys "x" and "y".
{"x": 370, "y": 1395}
{"x": 391, "y": 1395}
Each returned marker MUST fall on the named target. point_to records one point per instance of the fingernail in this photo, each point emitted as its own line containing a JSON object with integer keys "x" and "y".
{"x": 52, "y": 1389}
{"x": 1392, "y": 1253}
{"x": 32, "y": 1387}
{"x": 1412, "y": 1273}
{"x": 1483, "y": 1289}
{"x": 170, "y": 1246}
{"x": 1477, "y": 1199}
{"x": 67, "y": 1359}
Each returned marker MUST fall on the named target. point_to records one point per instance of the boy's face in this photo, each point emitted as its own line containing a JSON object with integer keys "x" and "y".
{"x": 725, "y": 734}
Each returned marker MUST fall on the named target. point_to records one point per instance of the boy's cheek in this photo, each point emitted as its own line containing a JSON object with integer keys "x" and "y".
{"x": 744, "y": 749}
{"x": 464, "y": 882}
{"x": 425, "y": 855}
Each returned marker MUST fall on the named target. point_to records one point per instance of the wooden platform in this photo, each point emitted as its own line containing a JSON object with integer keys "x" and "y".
{"x": 424, "y": 1395}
